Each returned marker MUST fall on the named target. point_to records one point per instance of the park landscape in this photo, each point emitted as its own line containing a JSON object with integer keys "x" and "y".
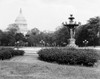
{"x": 47, "y": 45}
{"x": 72, "y": 51}
{"x": 64, "y": 54}
{"x": 30, "y": 67}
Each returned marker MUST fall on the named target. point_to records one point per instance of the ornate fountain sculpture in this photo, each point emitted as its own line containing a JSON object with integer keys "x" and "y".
{"x": 72, "y": 25}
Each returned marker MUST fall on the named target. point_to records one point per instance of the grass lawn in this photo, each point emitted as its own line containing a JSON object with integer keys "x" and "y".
{"x": 29, "y": 67}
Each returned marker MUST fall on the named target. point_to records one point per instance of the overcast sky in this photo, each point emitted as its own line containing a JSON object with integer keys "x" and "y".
{"x": 47, "y": 14}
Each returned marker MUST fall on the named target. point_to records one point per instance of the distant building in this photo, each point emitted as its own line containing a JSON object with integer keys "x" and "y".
{"x": 20, "y": 24}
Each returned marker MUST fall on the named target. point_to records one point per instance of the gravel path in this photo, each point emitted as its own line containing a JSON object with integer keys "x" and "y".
{"x": 26, "y": 59}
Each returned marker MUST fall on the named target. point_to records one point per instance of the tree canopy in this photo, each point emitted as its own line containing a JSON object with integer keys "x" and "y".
{"x": 89, "y": 32}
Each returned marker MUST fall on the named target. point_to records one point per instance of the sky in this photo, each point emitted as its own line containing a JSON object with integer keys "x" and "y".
{"x": 47, "y": 14}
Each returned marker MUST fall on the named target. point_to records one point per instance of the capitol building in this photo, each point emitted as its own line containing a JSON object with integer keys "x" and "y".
{"x": 21, "y": 24}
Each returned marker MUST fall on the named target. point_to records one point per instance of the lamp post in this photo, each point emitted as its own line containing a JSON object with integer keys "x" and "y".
{"x": 42, "y": 42}
{"x": 17, "y": 45}
{"x": 85, "y": 42}
{"x": 71, "y": 26}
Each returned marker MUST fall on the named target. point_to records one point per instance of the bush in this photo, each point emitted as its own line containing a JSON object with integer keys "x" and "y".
{"x": 72, "y": 56}
{"x": 7, "y": 53}
{"x": 4, "y": 54}
{"x": 18, "y": 52}
{"x": 49, "y": 54}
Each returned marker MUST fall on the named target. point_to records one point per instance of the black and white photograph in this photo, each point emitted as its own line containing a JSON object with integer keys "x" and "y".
{"x": 49, "y": 39}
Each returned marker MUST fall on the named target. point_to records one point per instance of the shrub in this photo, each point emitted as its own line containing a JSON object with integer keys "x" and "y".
{"x": 7, "y": 53}
{"x": 18, "y": 52}
{"x": 87, "y": 57}
{"x": 72, "y": 56}
{"x": 49, "y": 54}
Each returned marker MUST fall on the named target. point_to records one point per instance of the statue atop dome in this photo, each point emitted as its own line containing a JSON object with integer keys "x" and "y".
{"x": 20, "y": 11}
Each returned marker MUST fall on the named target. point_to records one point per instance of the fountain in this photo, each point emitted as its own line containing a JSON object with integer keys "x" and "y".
{"x": 71, "y": 26}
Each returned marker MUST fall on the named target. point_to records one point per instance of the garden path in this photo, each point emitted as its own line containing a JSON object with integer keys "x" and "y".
{"x": 31, "y": 55}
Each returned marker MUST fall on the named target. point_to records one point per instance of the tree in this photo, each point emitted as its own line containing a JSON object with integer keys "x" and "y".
{"x": 19, "y": 37}
{"x": 48, "y": 38}
{"x": 33, "y": 40}
{"x": 7, "y": 39}
{"x": 33, "y": 31}
{"x": 88, "y": 32}
{"x": 61, "y": 36}
{"x": 13, "y": 28}
{"x": 81, "y": 35}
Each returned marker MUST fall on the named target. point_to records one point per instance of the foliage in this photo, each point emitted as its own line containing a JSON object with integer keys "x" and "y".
{"x": 35, "y": 39}
{"x": 7, "y": 53}
{"x": 61, "y": 36}
{"x": 81, "y": 35}
{"x": 89, "y": 32}
{"x": 11, "y": 36}
{"x": 13, "y": 28}
{"x": 71, "y": 56}
{"x": 17, "y": 53}
{"x": 34, "y": 31}
{"x": 19, "y": 36}
{"x": 7, "y": 39}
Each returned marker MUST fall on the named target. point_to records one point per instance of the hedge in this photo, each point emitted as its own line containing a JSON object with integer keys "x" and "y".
{"x": 7, "y": 53}
{"x": 71, "y": 56}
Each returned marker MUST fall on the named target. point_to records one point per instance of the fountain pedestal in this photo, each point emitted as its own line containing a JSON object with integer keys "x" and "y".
{"x": 72, "y": 43}
{"x": 72, "y": 27}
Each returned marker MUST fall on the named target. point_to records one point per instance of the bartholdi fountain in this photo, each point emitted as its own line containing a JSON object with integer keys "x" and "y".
{"x": 71, "y": 26}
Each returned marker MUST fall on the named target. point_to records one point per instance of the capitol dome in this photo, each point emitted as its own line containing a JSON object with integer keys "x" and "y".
{"x": 21, "y": 22}
{"x": 20, "y": 18}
